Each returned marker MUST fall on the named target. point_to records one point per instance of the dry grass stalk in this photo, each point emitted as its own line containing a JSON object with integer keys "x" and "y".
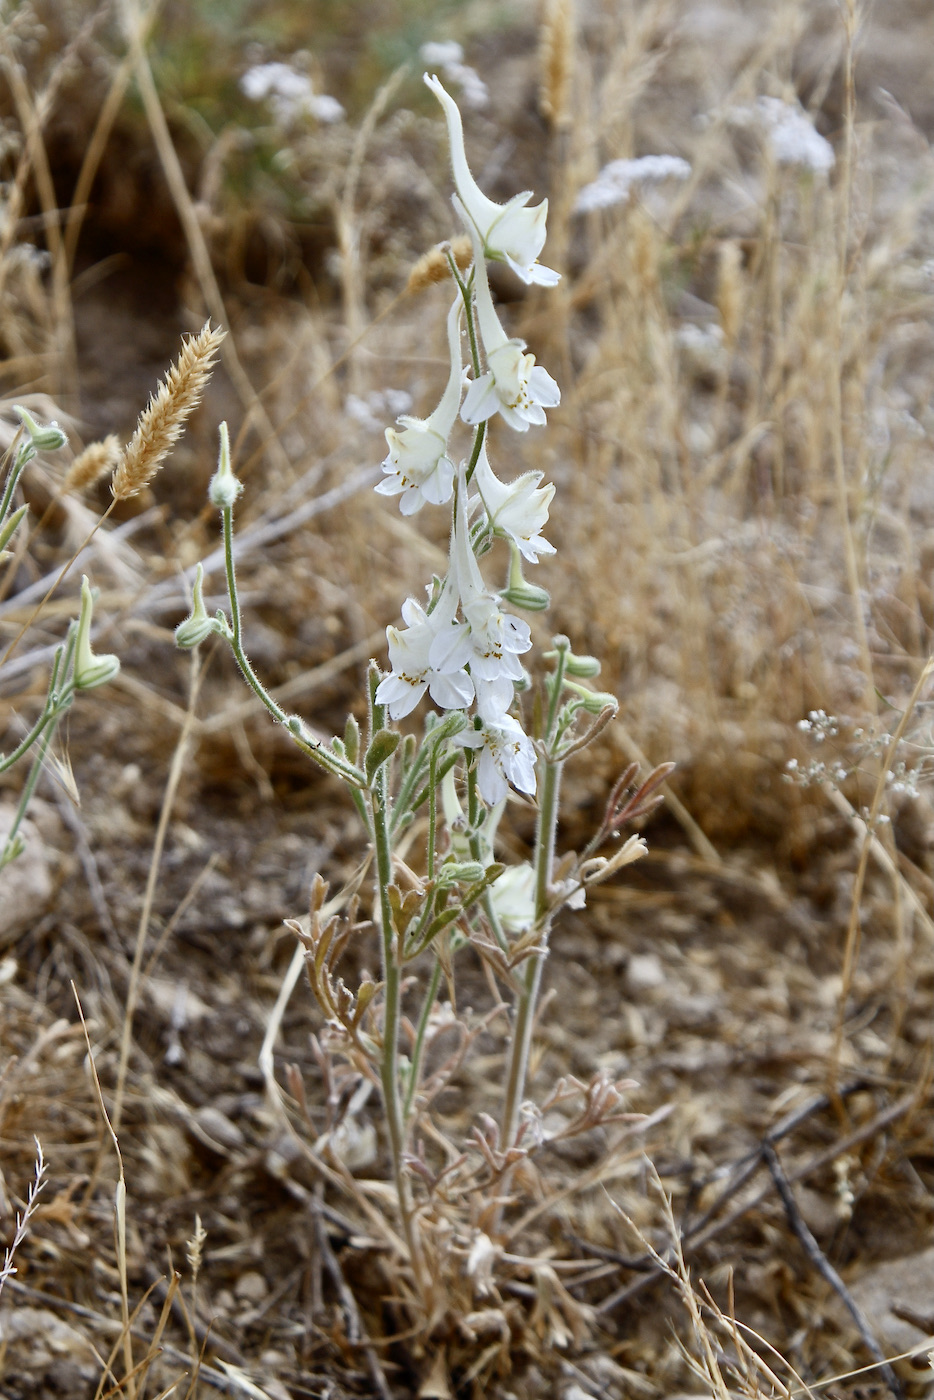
{"x": 556, "y": 62}
{"x": 160, "y": 424}
{"x": 90, "y": 466}
{"x": 433, "y": 266}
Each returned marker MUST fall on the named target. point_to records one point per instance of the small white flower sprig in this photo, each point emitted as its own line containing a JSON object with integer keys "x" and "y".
{"x": 461, "y": 649}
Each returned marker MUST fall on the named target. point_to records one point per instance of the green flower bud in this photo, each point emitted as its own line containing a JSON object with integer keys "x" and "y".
{"x": 224, "y": 488}
{"x": 47, "y": 439}
{"x": 8, "y": 530}
{"x": 596, "y": 701}
{"x": 584, "y": 667}
{"x": 528, "y": 596}
{"x": 197, "y": 625}
{"x": 90, "y": 670}
{"x": 518, "y": 591}
{"x": 455, "y": 872}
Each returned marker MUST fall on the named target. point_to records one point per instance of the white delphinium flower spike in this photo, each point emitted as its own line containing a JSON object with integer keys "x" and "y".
{"x": 508, "y": 233}
{"x": 413, "y": 670}
{"x": 417, "y": 466}
{"x": 491, "y": 640}
{"x": 514, "y": 385}
{"x": 506, "y": 756}
{"x": 519, "y": 510}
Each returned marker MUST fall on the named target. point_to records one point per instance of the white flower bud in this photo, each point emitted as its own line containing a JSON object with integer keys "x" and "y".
{"x": 224, "y": 488}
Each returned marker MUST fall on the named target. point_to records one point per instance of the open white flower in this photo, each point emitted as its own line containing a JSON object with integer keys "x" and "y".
{"x": 413, "y": 672}
{"x": 519, "y": 510}
{"x": 506, "y": 756}
{"x": 418, "y": 466}
{"x": 508, "y": 233}
{"x": 489, "y": 641}
{"x": 514, "y": 385}
{"x": 513, "y": 898}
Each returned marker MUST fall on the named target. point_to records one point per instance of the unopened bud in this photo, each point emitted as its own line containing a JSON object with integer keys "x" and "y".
{"x": 8, "y": 530}
{"x": 197, "y": 625}
{"x": 455, "y": 872}
{"x": 224, "y": 488}
{"x": 47, "y": 439}
{"x": 582, "y": 667}
{"x": 596, "y": 701}
{"x": 90, "y": 670}
{"x": 528, "y": 596}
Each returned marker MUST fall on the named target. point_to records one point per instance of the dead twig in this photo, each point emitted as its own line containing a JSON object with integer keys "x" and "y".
{"x": 824, "y": 1267}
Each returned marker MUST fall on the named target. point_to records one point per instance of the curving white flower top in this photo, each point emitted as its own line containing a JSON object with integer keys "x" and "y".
{"x": 509, "y": 233}
{"x": 417, "y": 466}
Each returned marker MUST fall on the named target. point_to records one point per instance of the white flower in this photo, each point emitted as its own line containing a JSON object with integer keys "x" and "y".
{"x": 489, "y": 640}
{"x": 519, "y": 510}
{"x": 514, "y": 385}
{"x": 289, "y": 93}
{"x": 506, "y": 756}
{"x": 412, "y": 671}
{"x": 449, "y": 57}
{"x": 792, "y": 136}
{"x": 513, "y": 897}
{"x": 508, "y": 233}
{"x": 418, "y": 466}
{"x": 615, "y": 181}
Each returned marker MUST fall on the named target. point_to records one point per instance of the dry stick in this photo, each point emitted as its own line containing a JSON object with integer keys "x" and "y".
{"x": 98, "y": 142}
{"x": 824, "y": 1267}
{"x": 347, "y": 234}
{"x": 197, "y": 246}
{"x": 168, "y": 803}
{"x": 119, "y": 1211}
{"x": 702, "y": 1234}
{"x": 108, "y": 1324}
{"x": 65, "y": 326}
{"x": 356, "y": 1334}
{"x": 853, "y": 929}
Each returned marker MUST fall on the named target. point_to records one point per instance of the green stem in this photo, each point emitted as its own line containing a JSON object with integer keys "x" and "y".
{"x": 9, "y": 845}
{"x": 328, "y": 760}
{"x": 431, "y": 994}
{"x": 530, "y": 981}
{"x": 392, "y": 1005}
{"x": 23, "y": 458}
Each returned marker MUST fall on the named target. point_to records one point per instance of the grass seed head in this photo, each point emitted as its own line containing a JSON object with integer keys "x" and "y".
{"x": 162, "y": 421}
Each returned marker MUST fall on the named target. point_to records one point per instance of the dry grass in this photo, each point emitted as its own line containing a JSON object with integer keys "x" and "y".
{"x": 744, "y": 520}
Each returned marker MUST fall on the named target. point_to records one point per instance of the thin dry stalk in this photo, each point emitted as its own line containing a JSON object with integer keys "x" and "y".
{"x": 37, "y": 156}
{"x": 168, "y": 802}
{"x": 135, "y": 28}
{"x": 161, "y": 423}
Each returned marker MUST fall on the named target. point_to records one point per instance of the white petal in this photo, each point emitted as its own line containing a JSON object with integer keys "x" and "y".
{"x": 481, "y": 400}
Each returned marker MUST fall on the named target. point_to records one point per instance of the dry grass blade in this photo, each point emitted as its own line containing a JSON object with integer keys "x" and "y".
{"x": 161, "y": 423}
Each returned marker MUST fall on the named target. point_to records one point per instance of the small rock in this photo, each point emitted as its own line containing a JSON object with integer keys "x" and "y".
{"x": 251, "y": 1287}
{"x": 644, "y": 973}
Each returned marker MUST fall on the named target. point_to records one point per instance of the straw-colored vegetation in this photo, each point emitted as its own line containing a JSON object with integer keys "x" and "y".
{"x": 745, "y": 527}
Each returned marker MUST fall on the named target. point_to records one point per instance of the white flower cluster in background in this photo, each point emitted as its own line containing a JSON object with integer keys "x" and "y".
{"x": 449, "y": 57}
{"x": 617, "y": 180}
{"x": 790, "y": 132}
{"x": 289, "y": 93}
{"x": 463, "y": 647}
